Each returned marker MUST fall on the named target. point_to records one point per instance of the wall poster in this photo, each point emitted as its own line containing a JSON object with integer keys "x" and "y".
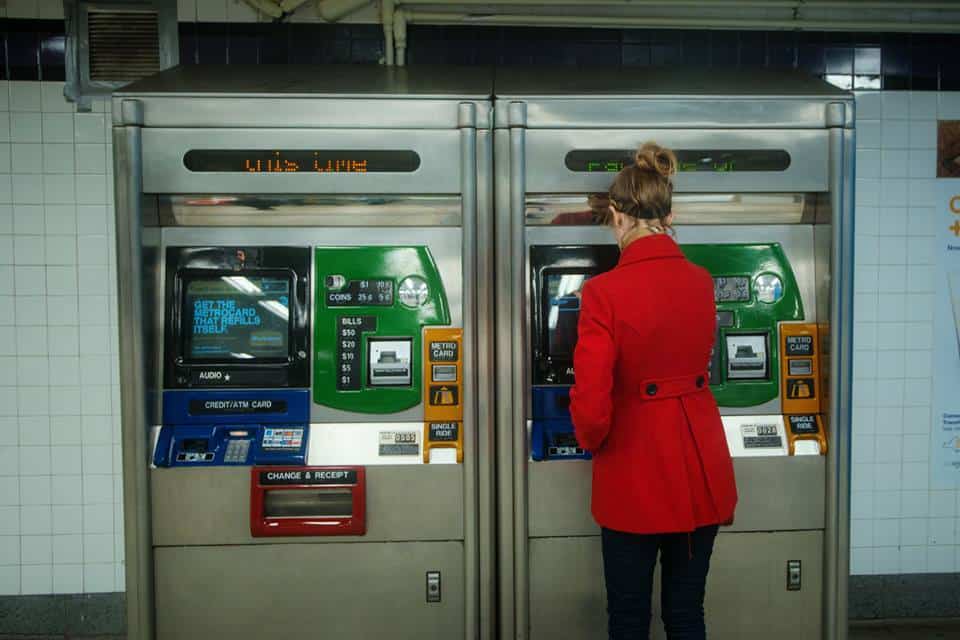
{"x": 945, "y": 442}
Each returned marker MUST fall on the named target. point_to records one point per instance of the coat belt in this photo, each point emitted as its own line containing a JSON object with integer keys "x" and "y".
{"x": 661, "y": 388}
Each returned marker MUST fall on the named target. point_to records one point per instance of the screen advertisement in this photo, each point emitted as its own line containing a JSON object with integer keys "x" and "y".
{"x": 236, "y": 318}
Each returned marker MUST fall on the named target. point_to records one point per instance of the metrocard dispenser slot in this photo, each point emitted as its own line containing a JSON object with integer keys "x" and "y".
{"x": 443, "y": 394}
{"x": 307, "y": 501}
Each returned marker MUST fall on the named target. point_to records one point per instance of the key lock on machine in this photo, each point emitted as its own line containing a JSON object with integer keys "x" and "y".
{"x": 763, "y": 351}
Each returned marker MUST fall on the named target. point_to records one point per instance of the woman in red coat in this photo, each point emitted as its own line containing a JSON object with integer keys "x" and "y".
{"x": 662, "y": 474}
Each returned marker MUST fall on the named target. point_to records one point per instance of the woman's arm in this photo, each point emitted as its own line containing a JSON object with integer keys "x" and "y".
{"x": 591, "y": 402}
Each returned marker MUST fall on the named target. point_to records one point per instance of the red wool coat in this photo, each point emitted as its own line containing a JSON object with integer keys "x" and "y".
{"x": 641, "y": 403}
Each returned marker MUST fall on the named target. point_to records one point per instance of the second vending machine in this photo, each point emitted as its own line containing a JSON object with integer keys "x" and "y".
{"x": 762, "y": 201}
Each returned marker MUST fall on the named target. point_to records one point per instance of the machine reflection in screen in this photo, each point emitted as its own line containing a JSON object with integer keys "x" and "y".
{"x": 564, "y": 291}
{"x": 237, "y": 318}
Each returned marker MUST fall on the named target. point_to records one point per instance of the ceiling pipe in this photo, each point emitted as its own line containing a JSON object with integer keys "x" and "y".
{"x": 334, "y": 10}
{"x": 289, "y": 6}
{"x": 266, "y": 7}
{"x": 400, "y": 36}
{"x": 521, "y": 20}
{"x": 388, "y": 11}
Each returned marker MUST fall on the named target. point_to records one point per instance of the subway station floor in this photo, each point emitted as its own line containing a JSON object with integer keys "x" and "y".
{"x": 925, "y": 630}
{"x": 920, "y": 630}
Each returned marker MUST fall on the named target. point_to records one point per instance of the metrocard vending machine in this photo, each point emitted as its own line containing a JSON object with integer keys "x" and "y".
{"x": 763, "y": 202}
{"x": 305, "y": 413}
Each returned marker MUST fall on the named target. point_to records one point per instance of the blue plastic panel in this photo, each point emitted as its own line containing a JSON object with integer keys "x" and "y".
{"x": 233, "y": 428}
{"x": 255, "y": 406}
{"x": 231, "y": 445}
{"x": 552, "y": 436}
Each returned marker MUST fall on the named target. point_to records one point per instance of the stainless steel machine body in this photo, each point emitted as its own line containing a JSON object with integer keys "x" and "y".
{"x": 793, "y": 510}
{"x": 423, "y": 567}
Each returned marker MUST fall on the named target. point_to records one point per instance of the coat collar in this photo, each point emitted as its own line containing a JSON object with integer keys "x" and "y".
{"x": 655, "y": 247}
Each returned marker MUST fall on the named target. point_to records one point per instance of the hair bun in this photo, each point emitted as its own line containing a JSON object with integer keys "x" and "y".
{"x": 656, "y": 159}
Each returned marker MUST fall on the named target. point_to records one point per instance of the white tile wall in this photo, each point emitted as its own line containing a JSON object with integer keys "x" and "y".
{"x": 60, "y": 515}
{"x": 899, "y": 524}
{"x": 59, "y": 505}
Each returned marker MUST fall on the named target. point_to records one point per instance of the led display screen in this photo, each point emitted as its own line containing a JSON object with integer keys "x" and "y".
{"x": 236, "y": 318}
{"x": 300, "y": 161}
{"x": 688, "y": 160}
{"x": 562, "y": 291}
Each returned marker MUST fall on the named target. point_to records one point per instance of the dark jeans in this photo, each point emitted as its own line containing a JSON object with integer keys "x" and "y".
{"x": 628, "y": 563}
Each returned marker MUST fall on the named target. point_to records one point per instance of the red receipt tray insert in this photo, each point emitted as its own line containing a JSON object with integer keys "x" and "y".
{"x": 307, "y": 501}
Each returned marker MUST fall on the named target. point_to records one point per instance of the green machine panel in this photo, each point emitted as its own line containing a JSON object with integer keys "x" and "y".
{"x": 371, "y": 306}
{"x": 755, "y": 290}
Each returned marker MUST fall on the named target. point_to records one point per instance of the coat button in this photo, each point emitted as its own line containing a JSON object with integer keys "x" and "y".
{"x": 651, "y": 389}
{"x": 700, "y": 382}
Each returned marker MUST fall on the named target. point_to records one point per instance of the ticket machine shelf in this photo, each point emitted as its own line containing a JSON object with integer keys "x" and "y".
{"x": 777, "y": 493}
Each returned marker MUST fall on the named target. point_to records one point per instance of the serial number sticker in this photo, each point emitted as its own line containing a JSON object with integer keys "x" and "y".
{"x": 399, "y": 443}
{"x": 761, "y": 436}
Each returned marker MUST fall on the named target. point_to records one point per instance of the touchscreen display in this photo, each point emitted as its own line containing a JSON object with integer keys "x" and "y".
{"x": 236, "y": 318}
{"x": 562, "y": 291}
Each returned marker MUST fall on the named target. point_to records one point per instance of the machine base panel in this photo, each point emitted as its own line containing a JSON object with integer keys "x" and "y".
{"x": 747, "y": 597}
{"x": 350, "y": 591}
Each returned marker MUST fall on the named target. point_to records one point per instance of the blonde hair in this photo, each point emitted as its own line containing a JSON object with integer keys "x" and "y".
{"x": 644, "y": 190}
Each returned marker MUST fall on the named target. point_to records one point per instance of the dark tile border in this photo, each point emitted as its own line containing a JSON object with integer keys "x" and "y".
{"x": 935, "y": 595}
{"x": 33, "y": 49}
{"x": 65, "y": 615}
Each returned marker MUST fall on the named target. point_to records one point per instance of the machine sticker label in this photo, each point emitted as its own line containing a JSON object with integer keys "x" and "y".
{"x": 444, "y": 351}
{"x": 800, "y": 388}
{"x": 444, "y": 396}
{"x": 237, "y": 406}
{"x": 362, "y": 293}
{"x": 799, "y": 345}
{"x": 444, "y": 431}
{"x": 309, "y": 476}
{"x": 803, "y": 425}
{"x": 399, "y": 443}
{"x": 282, "y": 438}
{"x": 761, "y": 436}
{"x": 350, "y": 330}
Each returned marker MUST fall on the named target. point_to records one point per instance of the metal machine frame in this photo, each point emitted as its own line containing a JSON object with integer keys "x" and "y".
{"x": 449, "y": 111}
{"x": 540, "y": 114}
{"x": 442, "y": 113}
